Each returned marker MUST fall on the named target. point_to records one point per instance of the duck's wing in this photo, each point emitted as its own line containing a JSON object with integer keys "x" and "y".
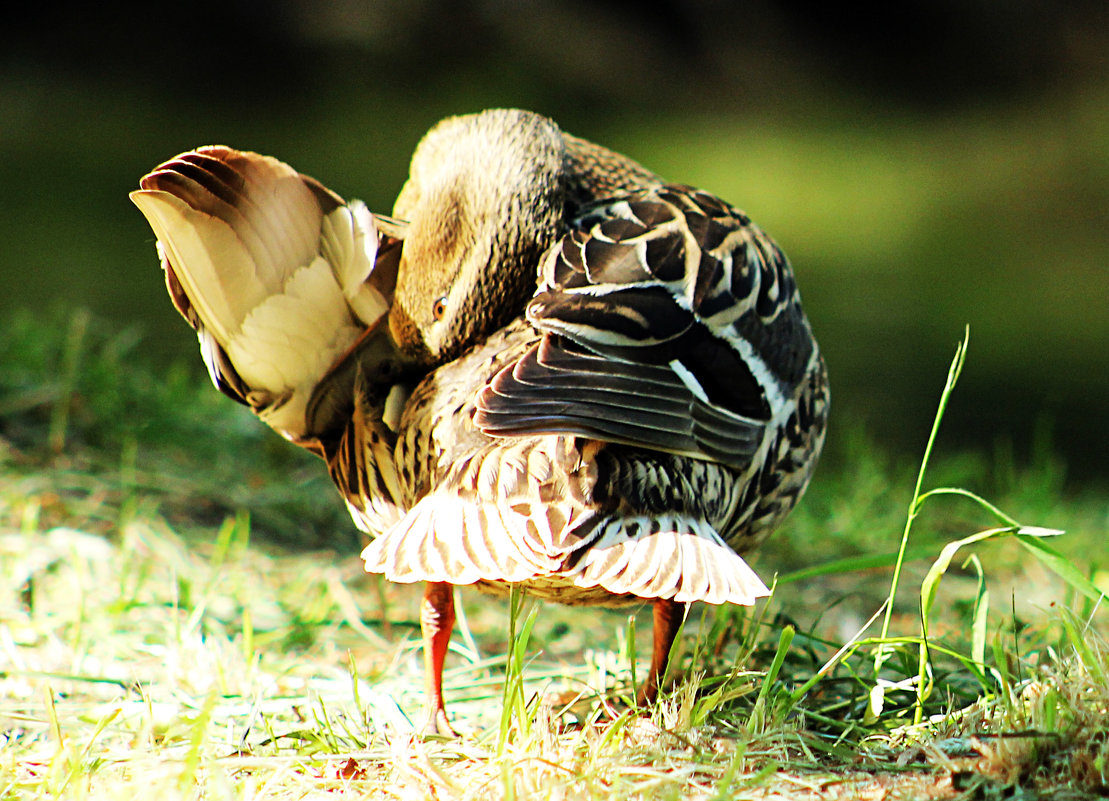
{"x": 280, "y": 277}
{"x": 670, "y": 321}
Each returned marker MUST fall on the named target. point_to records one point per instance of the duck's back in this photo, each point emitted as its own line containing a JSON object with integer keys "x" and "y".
{"x": 593, "y": 459}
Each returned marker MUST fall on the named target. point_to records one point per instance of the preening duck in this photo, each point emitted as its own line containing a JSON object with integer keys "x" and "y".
{"x": 558, "y": 372}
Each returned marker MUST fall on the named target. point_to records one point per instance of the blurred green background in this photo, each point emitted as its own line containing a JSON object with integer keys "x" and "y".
{"x": 926, "y": 165}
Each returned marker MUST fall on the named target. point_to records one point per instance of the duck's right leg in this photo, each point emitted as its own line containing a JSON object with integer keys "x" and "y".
{"x": 668, "y": 617}
{"x": 436, "y": 622}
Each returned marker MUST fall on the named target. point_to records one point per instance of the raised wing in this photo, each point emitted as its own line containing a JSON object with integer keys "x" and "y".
{"x": 280, "y": 277}
{"x": 670, "y": 322}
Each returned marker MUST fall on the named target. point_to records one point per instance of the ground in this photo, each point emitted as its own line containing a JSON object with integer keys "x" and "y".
{"x": 186, "y": 616}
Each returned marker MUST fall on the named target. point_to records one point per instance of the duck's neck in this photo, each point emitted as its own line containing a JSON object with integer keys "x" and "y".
{"x": 593, "y": 172}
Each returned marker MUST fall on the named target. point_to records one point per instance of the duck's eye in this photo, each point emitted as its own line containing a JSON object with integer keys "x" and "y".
{"x": 439, "y": 308}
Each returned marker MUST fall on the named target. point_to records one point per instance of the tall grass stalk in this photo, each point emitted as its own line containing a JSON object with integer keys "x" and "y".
{"x": 881, "y": 654}
{"x": 1029, "y": 536}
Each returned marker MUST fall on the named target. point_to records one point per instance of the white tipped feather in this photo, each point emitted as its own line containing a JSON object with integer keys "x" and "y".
{"x": 273, "y": 267}
{"x": 626, "y": 559}
{"x": 445, "y": 538}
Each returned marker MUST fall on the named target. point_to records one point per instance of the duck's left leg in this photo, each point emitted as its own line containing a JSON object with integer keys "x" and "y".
{"x": 436, "y": 622}
{"x": 668, "y": 616}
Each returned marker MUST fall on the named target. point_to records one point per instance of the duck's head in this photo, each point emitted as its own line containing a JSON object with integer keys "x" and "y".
{"x": 484, "y": 199}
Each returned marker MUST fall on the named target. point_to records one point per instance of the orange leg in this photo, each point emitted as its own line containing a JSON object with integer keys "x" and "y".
{"x": 668, "y": 617}
{"x": 436, "y": 622}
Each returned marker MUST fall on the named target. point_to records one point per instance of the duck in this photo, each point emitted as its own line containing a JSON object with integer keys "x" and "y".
{"x": 547, "y": 369}
{"x": 621, "y": 394}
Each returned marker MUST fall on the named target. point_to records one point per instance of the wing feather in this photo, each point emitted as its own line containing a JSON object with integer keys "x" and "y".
{"x": 278, "y": 275}
{"x": 645, "y": 329}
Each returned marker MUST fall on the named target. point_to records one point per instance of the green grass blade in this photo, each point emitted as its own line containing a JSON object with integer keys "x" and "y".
{"x": 914, "y": 505}
{"x": 760, "y": 715}
{"x": 1032, "y": 539}
{"x": 71, "y": 361}
{"x": 514, "y": 702}
{"x": 979, "y": 631}
{"x": 515, "y": 599}
{"x": 631, "y": 651}
{"x": 999, "y": 515}
{"x": 928, "y": 589}
{"x": 1081, "y": 646}
{"x": 930, "y": 586}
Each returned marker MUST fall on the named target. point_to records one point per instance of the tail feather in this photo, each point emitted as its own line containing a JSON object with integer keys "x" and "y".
{"x": 460, "y": 541}
{"x": 215, "y": 269}
{"x": 445, "y": 538}
{"x": 678, "y": 558}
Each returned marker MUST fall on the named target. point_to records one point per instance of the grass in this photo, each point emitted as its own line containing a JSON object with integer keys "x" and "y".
{"x": 185, "y": 616}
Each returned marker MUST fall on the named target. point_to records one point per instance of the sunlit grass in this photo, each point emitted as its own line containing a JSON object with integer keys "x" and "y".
{"x": 168, "y": 630}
